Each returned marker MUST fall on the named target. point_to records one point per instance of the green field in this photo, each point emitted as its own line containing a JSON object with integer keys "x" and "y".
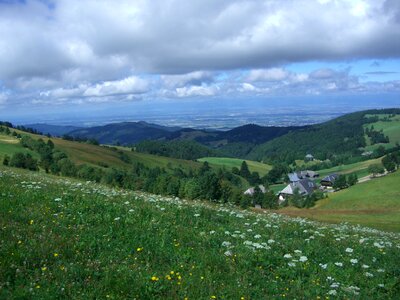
{"x": 9, "y": 145}
{"x": 375, "y": 203}
{"x": 359, "y": 168}
{"x": 229, "y": 163}
{"x": 390, "y": 128}
{"x": 66, "y": 239}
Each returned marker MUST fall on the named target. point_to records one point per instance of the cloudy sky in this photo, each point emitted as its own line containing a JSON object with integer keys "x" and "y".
{"x": 72, "y": 53}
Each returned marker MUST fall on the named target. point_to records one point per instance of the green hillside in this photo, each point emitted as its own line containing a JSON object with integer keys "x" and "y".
{"x": 66, "y": 239}
{"x": 338, "y": 140}
{"x": 230, "y": 163}
{"x": 375, "y": 203}
{"x": 390, "y": 127}
{"x": 83, "y": 153}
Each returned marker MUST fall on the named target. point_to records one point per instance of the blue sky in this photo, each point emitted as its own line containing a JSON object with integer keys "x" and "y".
{"x": 79, "y": 56}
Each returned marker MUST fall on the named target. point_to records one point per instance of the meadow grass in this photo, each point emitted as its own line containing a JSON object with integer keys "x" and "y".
{"x": 10, "y": 145}
{"x": 229, "y": 163}
{"x": 66, "y": 239}
{"x": 359, "y": 168}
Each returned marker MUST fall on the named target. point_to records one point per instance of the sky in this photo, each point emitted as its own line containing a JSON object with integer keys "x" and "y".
{"x": 73, "y": 57}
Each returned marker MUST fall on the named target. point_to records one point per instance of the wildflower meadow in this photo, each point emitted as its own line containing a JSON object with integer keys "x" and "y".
{"x": 64, "y": 239}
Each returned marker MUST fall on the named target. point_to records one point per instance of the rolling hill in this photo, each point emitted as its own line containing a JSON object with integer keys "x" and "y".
{"x": 339, "y": 138}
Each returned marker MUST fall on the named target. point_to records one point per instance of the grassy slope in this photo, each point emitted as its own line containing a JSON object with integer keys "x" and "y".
{"x": 9, "y": 145}
{"x": 91, "y": 154}
{"x": 69, "y": 240}
{"x": 360, "y": 168}
{"x": 229, "y": 163}
{"x": 375, "y": 203}
{"x": 391, "y": 129}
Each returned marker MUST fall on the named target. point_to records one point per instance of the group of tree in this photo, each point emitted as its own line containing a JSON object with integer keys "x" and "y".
{"x": 343, "y": 181}
{"x": 21, "y": 160}
{"x": 300, "y": 201}
{"x": 391, "y": 161}
{"x": 183, "y": 149}
{"x": 376, "y": 137}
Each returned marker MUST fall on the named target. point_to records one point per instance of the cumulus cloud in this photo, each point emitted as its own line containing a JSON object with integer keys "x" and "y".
{"x": 38, "y": 40}
{"x": 193, "y": 78}
{"x": 193, "y": 91}
{"x": 87, "y": 50}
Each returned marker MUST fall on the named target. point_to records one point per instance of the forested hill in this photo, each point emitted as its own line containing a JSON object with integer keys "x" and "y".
{"x": 124, "y": 133}
{"x": 127, "y": 133}
{"x": 340, "y": 137}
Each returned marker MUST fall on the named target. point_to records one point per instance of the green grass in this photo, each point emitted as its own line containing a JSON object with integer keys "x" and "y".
{"x": 391, "y": 129}
{"x": 10, "y": 145}
{"x": 63, "y": 239}
{"x": 359, "y": 168}
{"x": 229, "y": 163}
{"x": 82, "y": 153}
{"x": 375, "y": 203}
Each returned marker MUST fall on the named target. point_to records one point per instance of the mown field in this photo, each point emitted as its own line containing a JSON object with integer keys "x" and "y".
{"x": 229, "y": 163}
{"x": 65, "y": 239}
{"x": 375, "y": 203}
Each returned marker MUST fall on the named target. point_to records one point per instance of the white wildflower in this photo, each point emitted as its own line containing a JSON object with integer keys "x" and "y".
{"x": 323, "y": 266}
{"x": 354, "y": 261}
{"x": 365, "y": 266}
{"x": 303, "y": 258}
{"x": 349, "y": 250}
{"x": 339, "y": 264}
{"x": 287, "y": 256}
{"x": 332, "y": 292}
{"x": 228, "y": 253}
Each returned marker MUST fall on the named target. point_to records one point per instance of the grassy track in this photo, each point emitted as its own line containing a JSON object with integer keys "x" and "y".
{"x": 229, "y": 163}
{"x": 64, "y": 239}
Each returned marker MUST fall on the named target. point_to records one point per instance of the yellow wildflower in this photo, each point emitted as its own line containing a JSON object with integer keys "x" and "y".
{"x": 154, "y": 278}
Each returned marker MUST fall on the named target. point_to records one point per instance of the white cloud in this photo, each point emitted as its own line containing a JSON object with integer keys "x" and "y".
{"x": 273, "y": 74}
{"x": 3, "y": 98}
{"x": 192, "y": 78}
{"x": 192, "y": 91}
{"x": 129, "y": 85}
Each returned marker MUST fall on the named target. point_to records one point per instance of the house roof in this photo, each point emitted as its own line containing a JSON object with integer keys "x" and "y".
{"x": 250, "y": 191}
{"x": 305, "y": 186}
{"x": 330, "y": 177}
{"x": 293, "y": 177}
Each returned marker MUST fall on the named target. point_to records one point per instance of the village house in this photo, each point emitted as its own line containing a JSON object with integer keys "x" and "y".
{"x": 304, "y": 186}
{"x": 297, "y": 176}
{"x": 329, "y": 180}
{"x": 251, "y": 190}
{"x": 309, "y": 157}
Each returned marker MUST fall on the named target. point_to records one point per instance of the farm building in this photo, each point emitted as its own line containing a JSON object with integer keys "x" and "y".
{"x": 309, "y": 157}
{"x": 304, "y": 186}
{"x": 297, "y": 176}
{"x": 251, "y": 190}
{"x": 329, "y": 180}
